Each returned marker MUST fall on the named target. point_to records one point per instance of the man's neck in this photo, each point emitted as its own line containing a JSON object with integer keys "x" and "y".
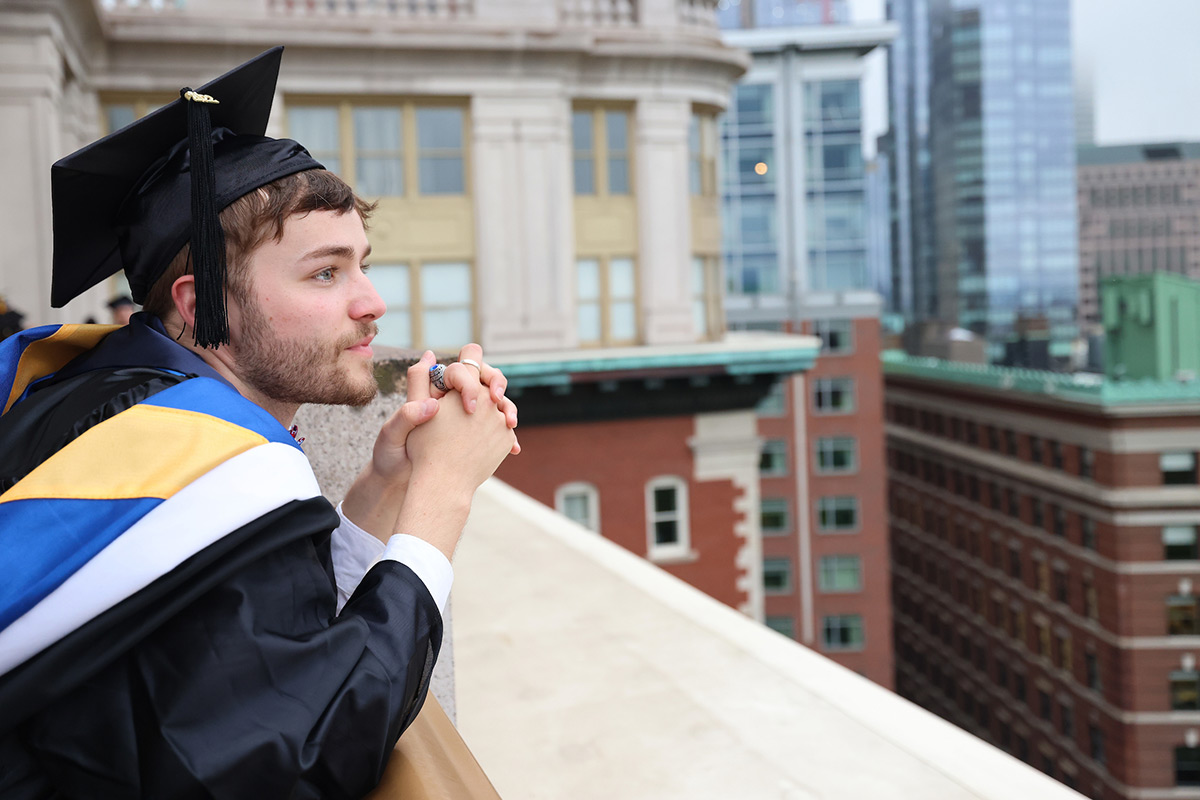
{"x": 222, "y": 363}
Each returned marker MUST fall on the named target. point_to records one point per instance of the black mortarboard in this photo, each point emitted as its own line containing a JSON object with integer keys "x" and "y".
{"x": 129, "y": 201}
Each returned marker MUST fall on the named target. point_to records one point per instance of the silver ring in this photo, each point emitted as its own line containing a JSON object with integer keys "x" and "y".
{"x": 474, "y": 364}
{"x": 437, "y": 374}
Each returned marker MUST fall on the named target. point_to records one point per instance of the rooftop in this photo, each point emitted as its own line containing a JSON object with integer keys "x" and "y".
{"x": 861, "y": 37}
{"x": 1094, "y": 155}
{"x": 584, "y": 671}
{"x": 1084, "y": 388}
{"x": 737, "y": 353}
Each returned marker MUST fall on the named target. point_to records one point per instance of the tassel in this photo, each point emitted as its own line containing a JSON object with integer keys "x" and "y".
{"x": 208, "y": 238}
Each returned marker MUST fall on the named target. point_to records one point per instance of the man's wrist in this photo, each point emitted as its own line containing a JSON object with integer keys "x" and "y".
{"x": 372, "y": 502}
{"x": 436, "y": 516}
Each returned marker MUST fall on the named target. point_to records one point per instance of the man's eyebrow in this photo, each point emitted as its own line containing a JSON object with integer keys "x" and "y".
{"x": 334, "y": 250}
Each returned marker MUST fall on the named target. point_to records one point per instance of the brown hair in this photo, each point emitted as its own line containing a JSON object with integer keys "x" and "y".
{"x": 253, "y": 218}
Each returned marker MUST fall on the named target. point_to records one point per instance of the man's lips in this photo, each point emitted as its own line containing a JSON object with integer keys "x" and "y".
{"x": 363, "y": 345}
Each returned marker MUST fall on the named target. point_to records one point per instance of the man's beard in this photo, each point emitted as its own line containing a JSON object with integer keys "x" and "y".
{"x": 301, "y": 371}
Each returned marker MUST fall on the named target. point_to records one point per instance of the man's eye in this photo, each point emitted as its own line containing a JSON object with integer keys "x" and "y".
{"x": 325, "y": 274}
{"x": 365, "y": 267}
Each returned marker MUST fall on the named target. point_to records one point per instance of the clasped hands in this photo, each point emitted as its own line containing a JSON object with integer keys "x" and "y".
{"x": 435, "y": 451}
{"x": 468, "y": 428}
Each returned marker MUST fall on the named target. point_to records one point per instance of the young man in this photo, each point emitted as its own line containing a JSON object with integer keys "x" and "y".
{"x": 184, "y": 615}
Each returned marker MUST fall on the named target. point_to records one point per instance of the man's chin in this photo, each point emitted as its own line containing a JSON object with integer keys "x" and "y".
{"x": 361, "y": 388}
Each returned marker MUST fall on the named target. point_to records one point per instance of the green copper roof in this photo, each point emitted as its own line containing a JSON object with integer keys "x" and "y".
{"x": 769, "y": 355}
{"x": 1080, "y": 388}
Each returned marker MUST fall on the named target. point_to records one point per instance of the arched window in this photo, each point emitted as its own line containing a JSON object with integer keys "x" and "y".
{"x": 580, "y": 502}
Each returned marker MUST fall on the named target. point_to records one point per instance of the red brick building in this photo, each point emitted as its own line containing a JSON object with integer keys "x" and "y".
{"x": 658, "y": 450}
{"x": 1045, "y": 562}
{"x": 824, "y": 520}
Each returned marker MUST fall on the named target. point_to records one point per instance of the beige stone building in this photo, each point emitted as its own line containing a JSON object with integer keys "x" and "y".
{"x": 531, "y": 159}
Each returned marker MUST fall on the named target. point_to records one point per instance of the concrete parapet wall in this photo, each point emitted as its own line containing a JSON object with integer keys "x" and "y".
{"x": 338, "y": 441}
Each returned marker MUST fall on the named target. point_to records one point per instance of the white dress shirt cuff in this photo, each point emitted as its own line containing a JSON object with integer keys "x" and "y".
{"x": 355, "y": 551}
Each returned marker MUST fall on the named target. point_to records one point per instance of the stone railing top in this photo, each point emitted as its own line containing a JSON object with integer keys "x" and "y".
{"x": 688, "y": 16}
{"x": 585, "y": 671}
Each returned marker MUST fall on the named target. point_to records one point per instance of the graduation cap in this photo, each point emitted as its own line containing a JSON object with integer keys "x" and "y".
{"x": 133, "y": 199}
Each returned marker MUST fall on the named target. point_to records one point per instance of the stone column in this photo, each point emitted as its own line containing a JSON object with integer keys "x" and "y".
{"x": 30, "y": 93}
{"x": 726, "y": 446}
{"x": 524, "y": 225}
{"x": 664, "y": 221}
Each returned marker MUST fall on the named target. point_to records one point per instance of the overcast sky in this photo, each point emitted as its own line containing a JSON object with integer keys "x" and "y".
{"x": 1143, "y": 57}
{"x": 1145, "y": 64}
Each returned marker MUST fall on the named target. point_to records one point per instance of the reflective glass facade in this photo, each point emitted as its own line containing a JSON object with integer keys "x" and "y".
{"x": 1003, "y": 166}
{"x": 749, "y": 201}
{"x": 825, "y": 216}
{"x": 834, "y": 186}
{"x": 906, "y": 148}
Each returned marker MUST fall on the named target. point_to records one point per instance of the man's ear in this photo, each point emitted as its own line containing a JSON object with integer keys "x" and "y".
{"x": 183, "y": 293}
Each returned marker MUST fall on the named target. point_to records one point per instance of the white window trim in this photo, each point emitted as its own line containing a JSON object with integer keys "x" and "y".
{"x": 825, "y": 386}
{"x": 835, "y": 531}
{"x": 825, "y": 647}
{"x": 682, "y": 549}
{"x": 593, "y": 496}
{"x": 783, "y": 447}
{"x": 817, "y": 470}
{"x": 828, "y": 323}
{"x": 791, "y": 580}
{"x": 827, "y": 589}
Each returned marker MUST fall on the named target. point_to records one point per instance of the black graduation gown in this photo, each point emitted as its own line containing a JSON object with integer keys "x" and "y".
{"x": 232, "y": 676}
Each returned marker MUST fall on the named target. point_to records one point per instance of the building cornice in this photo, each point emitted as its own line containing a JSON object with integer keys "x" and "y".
{"x": 736, "y": 354}
{"x": 859, "y": 39}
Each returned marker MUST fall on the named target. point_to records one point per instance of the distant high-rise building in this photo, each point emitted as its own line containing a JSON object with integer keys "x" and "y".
{"x": 982, "y": 98}
{"x": 906, "y": 147}
{"x": 734, "y": 14}
{"x": 796, "y": 249}
{"x": 1139, "y": 211}
{"x": 1045, "y": 567}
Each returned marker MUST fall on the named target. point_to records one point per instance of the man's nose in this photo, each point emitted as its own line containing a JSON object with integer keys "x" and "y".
{"x": 368, "y": 303}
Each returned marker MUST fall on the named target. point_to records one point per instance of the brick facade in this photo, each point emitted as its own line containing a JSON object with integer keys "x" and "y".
{"x": 619, "y": 457}
{"x": 1031, "y": 594}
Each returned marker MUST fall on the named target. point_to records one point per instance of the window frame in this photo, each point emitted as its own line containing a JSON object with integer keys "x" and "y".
{"x": 417, "y": 310}
{"x": 600, "y": 152}
{"x": 1190, "y": 555}
{"x": 824, "y": 390}
{"x": 778, "y": 446}
{"x": 779, "y": 505}
{"x": 593, "y": 496}
{"x": 1177, "y": 477}
{"x": 850, "y": 648}
{"x": 829, "y": 567}
{"x": 831, "y": 504}
{"x": 682, "y": 547}
{"x": 704, "y": 160}
{"x": 819, "y": 448}
{"x": 788, "y": 574}
{"x": 606, "y": 301}
{"x": 823, "y": 328}
{"x": 409, "y": 142}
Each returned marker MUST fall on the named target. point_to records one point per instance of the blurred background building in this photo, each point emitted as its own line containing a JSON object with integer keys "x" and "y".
{"x": 982, "y": 154}
{"x": 1139, "y": 212}
{"x": 796, "y": 240}
{"x": 1044, "y": 548}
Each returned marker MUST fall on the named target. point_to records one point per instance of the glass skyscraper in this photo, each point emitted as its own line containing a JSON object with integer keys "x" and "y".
{"x": 794, "y": 183}
{"x": 1001, "y": 148}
